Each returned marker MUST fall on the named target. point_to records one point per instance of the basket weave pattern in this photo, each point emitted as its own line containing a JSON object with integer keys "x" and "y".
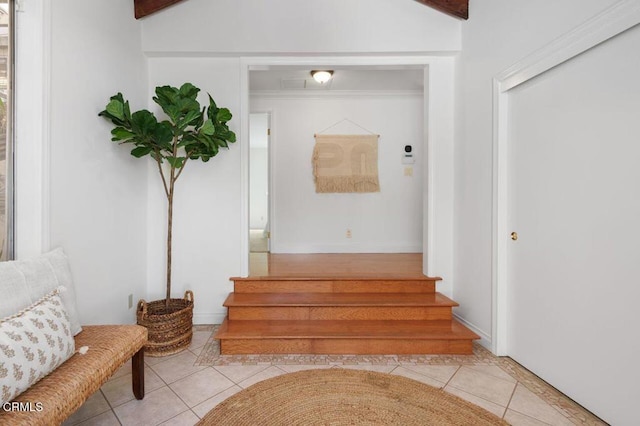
{"x": 170, "y": 330}
{"x": 66, "y": 388}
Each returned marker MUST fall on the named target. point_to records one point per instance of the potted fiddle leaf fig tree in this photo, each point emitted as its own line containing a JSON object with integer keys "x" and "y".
{"x": 189, "y": 132}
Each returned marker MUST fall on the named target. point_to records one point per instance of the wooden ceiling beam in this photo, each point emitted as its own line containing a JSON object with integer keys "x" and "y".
{"x": 147, "y": 7}
{"x": 457, "y": 8}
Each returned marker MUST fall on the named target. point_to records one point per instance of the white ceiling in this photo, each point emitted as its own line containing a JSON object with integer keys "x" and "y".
{"x": 348, "y": 79}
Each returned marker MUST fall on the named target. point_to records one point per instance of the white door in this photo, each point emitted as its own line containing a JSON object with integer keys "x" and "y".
{"x": 574, "y": 189}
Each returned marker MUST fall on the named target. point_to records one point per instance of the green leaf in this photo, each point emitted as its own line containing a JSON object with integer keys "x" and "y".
{"x": 163, "y": 135}
{"x": 189, "y": 118}
{"x": 166, "y": 95}
{"x": 189, "y": 90}
{"x": 172, "y": 111}
{"x": 221, "y": 143}
{"x": 141, "y": 151}
{"x": 188, "y": 105}
{"x": 143, "y": 122}
{"x": 127, "y": 111}
{"x": 212, "y": 110}
{"x": 223, "y": 115}
{"x": 121, "y": 134}
{"x": 176, "y": 162}
{"x": 116, "y": 109}
{"x": 208, "y": 128}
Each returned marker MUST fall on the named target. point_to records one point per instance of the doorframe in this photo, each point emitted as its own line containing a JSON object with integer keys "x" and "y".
{"x": 602, "y": 27}
{"x": 438, "y": 138}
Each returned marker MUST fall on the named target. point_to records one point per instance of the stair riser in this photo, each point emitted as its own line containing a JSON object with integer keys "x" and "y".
{"x": 345, "y": 346}
{"x": 339, "y": 313}
{"x": 334, "y": 286}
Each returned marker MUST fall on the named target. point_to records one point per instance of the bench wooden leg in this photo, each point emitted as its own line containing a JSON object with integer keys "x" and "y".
{"x": 137, "y": 368}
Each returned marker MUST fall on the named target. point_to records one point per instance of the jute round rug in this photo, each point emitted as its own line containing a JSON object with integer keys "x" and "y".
{"x": 345, "y": 397}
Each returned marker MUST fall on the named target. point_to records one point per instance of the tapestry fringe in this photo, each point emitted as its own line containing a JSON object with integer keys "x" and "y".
{"x": 343, "y": 184}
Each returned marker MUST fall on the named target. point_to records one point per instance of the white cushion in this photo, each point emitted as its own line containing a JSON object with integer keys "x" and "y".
{"x": 33, "y": 343}
{"x": 23, "y": 282}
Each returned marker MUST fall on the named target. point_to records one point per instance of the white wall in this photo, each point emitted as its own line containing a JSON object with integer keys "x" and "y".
{"x": 307, "y": 222}
{"x": 498, "y": 34}
{"x": 293, "y": 26}
{"x": 258, "y": 171}
{"x": 206, "y": 256}
{"x": 90, "y": 194}
{"x": 206, "y": 233}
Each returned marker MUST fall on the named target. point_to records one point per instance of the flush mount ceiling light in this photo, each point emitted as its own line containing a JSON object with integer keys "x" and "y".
{"x": 322, "y": 76}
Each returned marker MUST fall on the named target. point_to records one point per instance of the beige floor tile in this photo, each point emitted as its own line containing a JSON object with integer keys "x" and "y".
{"x": 202, "y": 409}
{"x": 177, "y": 367}
{"x": 377, "y": 368}
{"x": 120, "y": 390}
{"x": 104, "y": 419}
{"x": 95, "y": 405}
{"x": 199, "y": 387}
{"x": 492, "y": 370}
{"x": 405, "y": 372}
{"x": 156, "y": 407}
{"x": 268, "y": 373}
{"x": 199, "y": 339}
{"x": 526, "y": 402}
{"x": 442, "y": 373}
{"x": 188, "y": 418}
{"x": 153, "y": 360}
{"x": 483, "y": 403}
{"x": 516, "y": 419}
{"x": 123, "y": 370}
{"x": 238, "y": 373}
{"x": 485, "y": 386}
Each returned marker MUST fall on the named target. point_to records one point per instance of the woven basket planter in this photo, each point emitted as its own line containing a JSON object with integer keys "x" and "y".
{"x": 170, "y": 330}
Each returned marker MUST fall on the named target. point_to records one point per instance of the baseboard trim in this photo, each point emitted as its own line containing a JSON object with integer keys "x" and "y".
{"x": 346, "y": 248}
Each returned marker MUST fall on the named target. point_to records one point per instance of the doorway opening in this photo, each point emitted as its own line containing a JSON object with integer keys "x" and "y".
{"x": 436, "y": 74}
{"x": 259, "y": 203}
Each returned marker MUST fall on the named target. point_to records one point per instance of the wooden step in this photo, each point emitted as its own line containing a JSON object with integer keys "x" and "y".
{"x": 345, "y": 337}
{"x": 335, "y": 285}
{"x": 339, "y": 306}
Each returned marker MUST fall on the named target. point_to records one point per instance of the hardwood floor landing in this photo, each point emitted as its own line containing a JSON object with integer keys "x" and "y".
{"x": 345, "y": 265}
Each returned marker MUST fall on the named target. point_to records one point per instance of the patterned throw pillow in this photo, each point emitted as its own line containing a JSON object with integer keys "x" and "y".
{"x": 33, "y": 343}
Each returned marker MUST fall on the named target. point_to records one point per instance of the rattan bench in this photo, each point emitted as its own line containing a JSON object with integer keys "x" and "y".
{"x": 58, "y": 395}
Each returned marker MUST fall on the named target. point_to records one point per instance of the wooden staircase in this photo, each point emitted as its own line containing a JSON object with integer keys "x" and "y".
{"x": 269, "y": 315}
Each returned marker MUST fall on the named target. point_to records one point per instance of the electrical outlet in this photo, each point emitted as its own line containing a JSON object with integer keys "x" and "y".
{"x": 131, "y": 301}
{"x": 348, "y": 233}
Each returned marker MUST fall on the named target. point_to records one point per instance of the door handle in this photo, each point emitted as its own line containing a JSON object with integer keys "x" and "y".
{"x": 514, "y": 236}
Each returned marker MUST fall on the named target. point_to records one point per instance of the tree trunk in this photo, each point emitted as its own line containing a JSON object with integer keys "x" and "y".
{"x": 169, "y": 235}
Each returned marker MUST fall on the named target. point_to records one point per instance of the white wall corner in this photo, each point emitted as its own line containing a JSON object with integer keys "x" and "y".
{"x": 485, "y": 338}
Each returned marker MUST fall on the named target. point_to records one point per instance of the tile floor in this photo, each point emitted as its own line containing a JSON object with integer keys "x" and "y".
{"x": 180, "y": 392}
